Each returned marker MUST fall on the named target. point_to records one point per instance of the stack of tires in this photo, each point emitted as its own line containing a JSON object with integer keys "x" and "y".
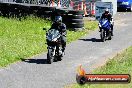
{"x": 4, "y": 9}
{"x": 60, "y": 12}
{"x": 74, "y": 20}
{"x": 45, "y": 12}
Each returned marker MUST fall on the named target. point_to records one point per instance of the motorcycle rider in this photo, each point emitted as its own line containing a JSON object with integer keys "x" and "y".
{"x": 61, "y": 27}
{"x": 107, "y": 15}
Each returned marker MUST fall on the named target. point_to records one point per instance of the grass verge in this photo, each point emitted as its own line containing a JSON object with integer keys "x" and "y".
{"x": 122, "y": 63}
{"x": 23, "y": 39}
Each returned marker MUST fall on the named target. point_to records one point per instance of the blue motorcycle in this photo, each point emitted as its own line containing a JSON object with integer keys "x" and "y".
{"x": 105, "y": 27}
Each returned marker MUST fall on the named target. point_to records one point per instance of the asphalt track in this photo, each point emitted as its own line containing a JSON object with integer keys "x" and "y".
{"x": 88, "y": 51}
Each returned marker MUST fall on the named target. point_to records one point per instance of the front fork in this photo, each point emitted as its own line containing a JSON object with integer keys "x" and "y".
{"x": 53, "y": 50}
{"x": 56, "y": 50}
{"x": 59, "y": 50}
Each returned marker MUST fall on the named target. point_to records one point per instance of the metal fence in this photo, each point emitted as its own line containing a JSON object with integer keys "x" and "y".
{"x": 7, "y": 0}
{"x": 62, "y": 3}
{"x": 81, "y": 4}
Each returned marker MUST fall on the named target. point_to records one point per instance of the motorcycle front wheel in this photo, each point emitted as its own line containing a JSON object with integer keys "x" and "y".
{"x": 102, "y": 35}
{"x": 50, "y": 57}
{"x": 110, "y": 37}
{"x": 59, "y": 58}
{"x": 59, "y": 53}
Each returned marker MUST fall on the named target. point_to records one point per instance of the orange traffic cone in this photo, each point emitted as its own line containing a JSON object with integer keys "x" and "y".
{"x": 85, "y": 10}
{"x": 78, "y": 7}
{"x": 81, "y": 5}
{"x": 93, "y": 9}
{"x": 52, "y": 2}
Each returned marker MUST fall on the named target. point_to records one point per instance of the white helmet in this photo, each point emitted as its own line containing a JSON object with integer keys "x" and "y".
{"x": 106, "y": 10}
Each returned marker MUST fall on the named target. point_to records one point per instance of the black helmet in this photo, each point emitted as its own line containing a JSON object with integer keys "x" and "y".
{"x": 58, "y": 19}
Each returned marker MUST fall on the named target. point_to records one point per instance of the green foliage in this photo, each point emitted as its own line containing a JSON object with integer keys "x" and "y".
{"x": 21, "y": 39}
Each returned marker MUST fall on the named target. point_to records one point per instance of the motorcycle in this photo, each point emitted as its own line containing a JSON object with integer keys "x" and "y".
{"x": 106, "y": 32}
{"x": 53, "y": 38}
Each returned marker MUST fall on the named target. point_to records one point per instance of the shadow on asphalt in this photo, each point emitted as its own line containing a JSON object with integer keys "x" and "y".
{"x": 37, "y": 61}
{"x": 92, "y": 39}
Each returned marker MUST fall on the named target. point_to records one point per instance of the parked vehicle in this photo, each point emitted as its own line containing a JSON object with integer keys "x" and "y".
{"x": 124, "y": 5}
{"x": 54, "y": 46}
{"x": 105, "y": 26}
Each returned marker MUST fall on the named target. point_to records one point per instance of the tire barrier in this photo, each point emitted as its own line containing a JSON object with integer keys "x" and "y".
{"x": 76, "y": 12}
{"x": 20, "y": 10}
{"x": 75, "y": 25}
{"x": 45, "y": 12}
{"x": 75, "y": 21}
{"x": 72, "y": 18}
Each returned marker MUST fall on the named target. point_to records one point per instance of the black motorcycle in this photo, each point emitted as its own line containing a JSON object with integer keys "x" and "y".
{"x": 106, "y": 32}
{"x": 53, "y": 38}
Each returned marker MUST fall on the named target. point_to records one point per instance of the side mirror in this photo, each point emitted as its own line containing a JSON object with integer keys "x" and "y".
{"x": 44, "y": 29}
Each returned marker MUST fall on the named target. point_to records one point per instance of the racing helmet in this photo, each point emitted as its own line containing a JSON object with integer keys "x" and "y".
{"x": 58, "y": 19}
{"x": 106, "y": 10}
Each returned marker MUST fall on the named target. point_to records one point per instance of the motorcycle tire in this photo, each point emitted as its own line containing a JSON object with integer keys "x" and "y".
{"x": 74, "y": 17}
{"x": 102, "y": 35}
{"x": 50, "y": 58}
{"x": 76, "y": 25}
{"x": 61, "y": 11}
{"x": 47, "y": 12}
{"x": 59, "y": 55}
{"x": 110, "y": 37}
{"x": 47, "y": 8}
{"x": 59, "y": 58}
{"x": 74, "y": 12}
{"x": 74, "y": 21}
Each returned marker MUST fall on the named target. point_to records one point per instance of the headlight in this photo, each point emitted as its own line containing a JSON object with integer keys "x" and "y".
{"x": 125, "y": 3}
{"x": 54, "y": 39}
